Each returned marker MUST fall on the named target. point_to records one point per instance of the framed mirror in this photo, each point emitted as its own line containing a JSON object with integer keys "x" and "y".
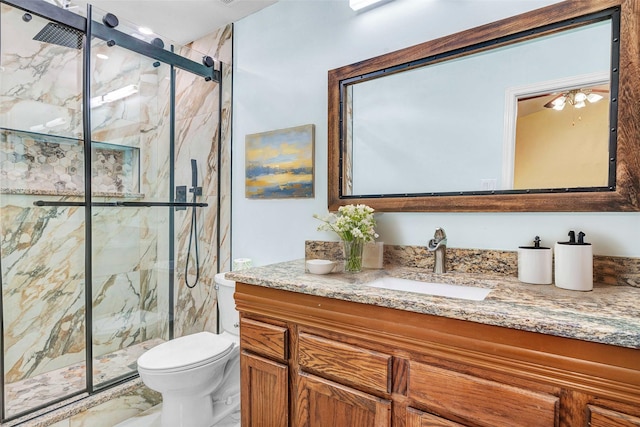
{"x": 538, "y": 112}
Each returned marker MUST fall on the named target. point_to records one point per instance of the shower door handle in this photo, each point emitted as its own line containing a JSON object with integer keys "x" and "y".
{"x": 157, "y": 204}
{"x": 65, "y": 204}
{"x": 41, "y": 203}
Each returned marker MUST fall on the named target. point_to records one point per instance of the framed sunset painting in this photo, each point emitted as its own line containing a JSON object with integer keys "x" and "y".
{"x": 279, "y": 163}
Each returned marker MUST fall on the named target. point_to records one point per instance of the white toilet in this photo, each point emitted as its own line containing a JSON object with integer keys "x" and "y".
{"x": 199, "y": 374}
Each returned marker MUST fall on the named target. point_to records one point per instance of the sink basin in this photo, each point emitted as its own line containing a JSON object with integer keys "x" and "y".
{"x": 439, "y": 289}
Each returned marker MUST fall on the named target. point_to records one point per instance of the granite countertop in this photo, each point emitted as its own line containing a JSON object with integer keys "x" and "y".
{"x": 609, "y": 314}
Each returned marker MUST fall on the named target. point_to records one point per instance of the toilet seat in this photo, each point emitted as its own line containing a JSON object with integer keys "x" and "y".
{"x": 190, "y": 351}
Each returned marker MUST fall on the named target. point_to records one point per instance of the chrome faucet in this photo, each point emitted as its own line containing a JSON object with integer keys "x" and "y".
{"x": 438, "y": 245}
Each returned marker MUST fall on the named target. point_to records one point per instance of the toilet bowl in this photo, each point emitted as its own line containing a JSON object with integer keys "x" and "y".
{"x": 198, "y": 375}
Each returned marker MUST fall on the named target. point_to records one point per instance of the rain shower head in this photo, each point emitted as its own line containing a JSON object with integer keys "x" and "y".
{"x": 60, "y": 35}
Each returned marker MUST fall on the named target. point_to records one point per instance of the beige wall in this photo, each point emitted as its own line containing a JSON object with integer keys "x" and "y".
{"x": 546, "y": 139}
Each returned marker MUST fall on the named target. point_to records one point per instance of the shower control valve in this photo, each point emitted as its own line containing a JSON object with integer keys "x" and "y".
{"x": 181, "y": 196}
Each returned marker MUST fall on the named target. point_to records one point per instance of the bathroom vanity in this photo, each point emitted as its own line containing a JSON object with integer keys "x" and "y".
{"x": 330, "y": 350}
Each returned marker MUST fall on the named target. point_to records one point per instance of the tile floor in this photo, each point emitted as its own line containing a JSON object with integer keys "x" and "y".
{"x": 151, "y": 418}
{"x": 27, "y": 394}
{"x": 33, "y": 392}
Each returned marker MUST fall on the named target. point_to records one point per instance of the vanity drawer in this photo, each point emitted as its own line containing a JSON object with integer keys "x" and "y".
{"x": 345, "y": 363}
{"x": 486, "y": 402}
{"x": 600, "y": 417}
{"x": 264, "y": 338}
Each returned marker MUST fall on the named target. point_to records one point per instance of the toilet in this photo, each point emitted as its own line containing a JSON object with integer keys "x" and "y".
{"x": 198, "y": 374}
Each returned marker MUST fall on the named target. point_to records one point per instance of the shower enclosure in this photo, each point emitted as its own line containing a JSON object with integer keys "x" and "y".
{"x": 93, "y": 115}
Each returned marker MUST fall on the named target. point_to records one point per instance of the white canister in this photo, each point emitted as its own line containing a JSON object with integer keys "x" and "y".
{"x": 535, "y": 265}
{"x": 574, "y": 266}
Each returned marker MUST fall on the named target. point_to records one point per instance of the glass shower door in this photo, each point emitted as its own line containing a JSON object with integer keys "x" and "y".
{"x": 88, "y": 224}
{"x": 42, "y": 248}
{"x": 130, "y": 151}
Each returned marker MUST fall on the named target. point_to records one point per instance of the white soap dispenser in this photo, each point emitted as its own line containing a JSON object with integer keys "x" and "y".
{"x": 574, "y": 264}
{"x": 535, "y": 264}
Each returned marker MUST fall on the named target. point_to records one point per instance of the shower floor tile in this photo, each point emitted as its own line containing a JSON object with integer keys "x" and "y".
{"x": 30, "y": 393}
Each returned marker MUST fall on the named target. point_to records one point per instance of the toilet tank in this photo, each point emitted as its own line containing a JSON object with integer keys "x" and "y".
{"x": 229, "y": 318}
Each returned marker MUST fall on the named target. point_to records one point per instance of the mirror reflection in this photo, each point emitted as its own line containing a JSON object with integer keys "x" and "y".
{"x": 561, "y": 140}
{"x": 525, "y": 116}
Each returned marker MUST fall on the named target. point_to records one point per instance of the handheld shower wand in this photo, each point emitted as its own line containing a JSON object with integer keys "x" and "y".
{"x": 194, "y": 179}
{"x": 193, "y": 231}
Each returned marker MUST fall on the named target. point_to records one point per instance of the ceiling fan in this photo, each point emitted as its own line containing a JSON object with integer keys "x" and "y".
{"x": 576, "y": 97}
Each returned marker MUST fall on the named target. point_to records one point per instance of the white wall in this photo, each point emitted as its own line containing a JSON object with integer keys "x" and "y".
{"x": 281, "y": 58}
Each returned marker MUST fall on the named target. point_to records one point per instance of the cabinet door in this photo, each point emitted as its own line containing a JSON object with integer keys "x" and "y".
{"x": 482, "y": 401}
{"x": 264, "y": 397}
{"x": 324, "y": 403}
{"x": 417, "y": 418}
{"x": 605, "y": 418}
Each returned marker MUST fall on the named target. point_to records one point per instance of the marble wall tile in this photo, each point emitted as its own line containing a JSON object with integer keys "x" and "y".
{"x": 43, "y": 288}
{"x": 40, "y": 81}
{"x": 225, "y": 163}
{"x": 198, "y": 138}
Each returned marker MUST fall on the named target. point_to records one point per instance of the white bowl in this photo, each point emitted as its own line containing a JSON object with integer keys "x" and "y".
{"x": 320, "y": 266}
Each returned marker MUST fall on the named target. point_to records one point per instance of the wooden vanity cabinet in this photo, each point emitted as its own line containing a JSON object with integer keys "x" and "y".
{"x": 265, "y": 375}
{"x": 312, "y": 361}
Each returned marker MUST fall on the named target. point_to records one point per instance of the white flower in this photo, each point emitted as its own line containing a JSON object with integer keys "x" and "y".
{"x": 353, "y": 222}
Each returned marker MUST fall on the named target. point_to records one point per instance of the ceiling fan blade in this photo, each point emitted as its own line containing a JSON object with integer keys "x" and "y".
{"x": 551, "y": 104}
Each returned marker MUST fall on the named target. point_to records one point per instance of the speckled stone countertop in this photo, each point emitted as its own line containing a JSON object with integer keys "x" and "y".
{"x": 609, "y": 314}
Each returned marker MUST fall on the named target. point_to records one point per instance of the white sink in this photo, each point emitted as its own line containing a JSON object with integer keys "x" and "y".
{"x": 439, "y": 289}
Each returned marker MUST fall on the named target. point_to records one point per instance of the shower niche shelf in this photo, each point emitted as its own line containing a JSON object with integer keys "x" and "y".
{"x": 36, "y": 163}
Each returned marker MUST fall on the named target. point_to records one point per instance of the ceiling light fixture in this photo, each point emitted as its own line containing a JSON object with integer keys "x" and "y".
{"x": 363, "y": 4}
{"x": 575, "y": 97}
{"x": 145, "y": 30}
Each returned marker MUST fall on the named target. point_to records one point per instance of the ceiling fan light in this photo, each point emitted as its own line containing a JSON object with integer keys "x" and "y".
{"x": 580, "y": 97}
{"x": 580, "y": 104}
{"x": 594, "y": 97}
{"x": 559, "y": 107}
{"x": 559, "y": 101}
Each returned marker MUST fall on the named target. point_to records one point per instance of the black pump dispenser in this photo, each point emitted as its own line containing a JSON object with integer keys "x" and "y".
{"x": 536, "y": 244}
{"x": 572, "y": 239}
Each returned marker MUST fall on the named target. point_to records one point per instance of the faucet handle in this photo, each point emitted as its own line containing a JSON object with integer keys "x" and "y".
{"x": 439, "y": 240}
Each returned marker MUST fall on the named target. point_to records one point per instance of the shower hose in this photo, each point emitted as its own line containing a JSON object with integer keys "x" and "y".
{"x": 193, "y": 238}
{"x": 193, "y": 231}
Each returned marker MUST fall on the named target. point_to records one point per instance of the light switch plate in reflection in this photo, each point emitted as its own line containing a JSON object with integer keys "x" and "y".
{"x": 488, "y": 184}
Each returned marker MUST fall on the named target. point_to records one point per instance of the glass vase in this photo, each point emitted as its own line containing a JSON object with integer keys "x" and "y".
{"x": 353, "y": 255}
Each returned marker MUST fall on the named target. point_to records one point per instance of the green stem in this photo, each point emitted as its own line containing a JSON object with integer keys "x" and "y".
{"x": 353, "y": 255}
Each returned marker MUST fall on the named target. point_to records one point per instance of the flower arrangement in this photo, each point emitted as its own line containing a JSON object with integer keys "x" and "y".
{"x": 353, "y": 222}
{"x": 355, "y": 226}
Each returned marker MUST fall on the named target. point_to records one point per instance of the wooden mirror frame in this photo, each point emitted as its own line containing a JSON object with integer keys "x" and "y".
{"x": 623, "y": 198}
